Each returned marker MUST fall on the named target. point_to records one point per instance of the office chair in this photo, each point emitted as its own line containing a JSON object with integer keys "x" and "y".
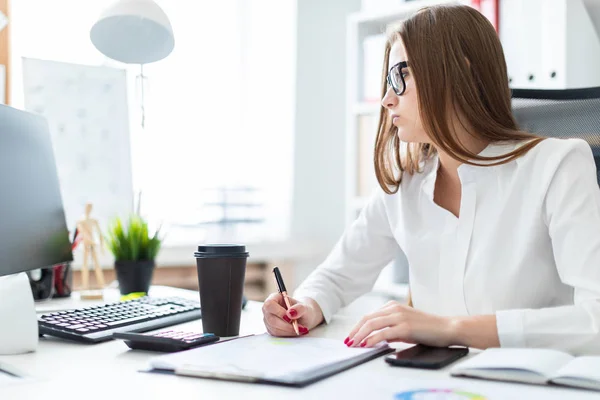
{"x": 562, "y": 113}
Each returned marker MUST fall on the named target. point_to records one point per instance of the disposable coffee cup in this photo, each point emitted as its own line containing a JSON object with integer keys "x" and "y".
{"x": 221, "y": 273}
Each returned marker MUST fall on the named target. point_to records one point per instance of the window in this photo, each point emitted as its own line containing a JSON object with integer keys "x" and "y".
{"x": 219, "y": 110}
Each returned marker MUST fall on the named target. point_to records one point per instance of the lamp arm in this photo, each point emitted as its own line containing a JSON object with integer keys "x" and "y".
{"x": 143, "y": 109}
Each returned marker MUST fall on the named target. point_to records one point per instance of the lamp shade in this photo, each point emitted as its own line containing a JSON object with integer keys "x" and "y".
{"x": 133, "y": 32}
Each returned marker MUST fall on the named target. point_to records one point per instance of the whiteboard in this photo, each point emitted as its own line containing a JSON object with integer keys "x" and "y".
{"x": 86, "y": 108}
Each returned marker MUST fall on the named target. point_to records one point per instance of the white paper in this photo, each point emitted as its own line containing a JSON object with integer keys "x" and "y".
{"x": 582, "y": 368}
{"x": 256, "y": 356}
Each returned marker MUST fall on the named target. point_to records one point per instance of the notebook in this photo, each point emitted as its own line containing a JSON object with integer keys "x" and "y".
{"x": 263, "y": 358}
{"x": 537, "y": 366}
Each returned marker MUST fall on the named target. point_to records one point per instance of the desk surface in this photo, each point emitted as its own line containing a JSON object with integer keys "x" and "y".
{"x": 66, "y": 370}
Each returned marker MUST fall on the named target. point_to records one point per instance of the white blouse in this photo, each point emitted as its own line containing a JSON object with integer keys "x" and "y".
{"x": 526, "y": 247}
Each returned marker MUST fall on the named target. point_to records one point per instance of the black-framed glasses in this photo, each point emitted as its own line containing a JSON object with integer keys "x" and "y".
{"x": 395, "y": 78}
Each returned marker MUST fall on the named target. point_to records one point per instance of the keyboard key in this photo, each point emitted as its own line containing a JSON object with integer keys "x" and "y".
{"x": 126, "y": 321}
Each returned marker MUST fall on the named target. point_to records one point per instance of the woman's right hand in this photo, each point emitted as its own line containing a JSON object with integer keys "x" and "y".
{"x": 278, "y": 320}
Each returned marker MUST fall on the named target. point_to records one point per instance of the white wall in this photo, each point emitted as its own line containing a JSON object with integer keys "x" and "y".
{"x": 318, "y": 198}
{"x": 318, "y": 191}
{"x": 593, "y": 8}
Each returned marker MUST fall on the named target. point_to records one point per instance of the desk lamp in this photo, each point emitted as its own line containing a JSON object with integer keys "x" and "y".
{"x": 134, "y": 32}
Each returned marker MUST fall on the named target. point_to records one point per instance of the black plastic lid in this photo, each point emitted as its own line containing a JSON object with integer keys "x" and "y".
{"x": 221, "y": 250}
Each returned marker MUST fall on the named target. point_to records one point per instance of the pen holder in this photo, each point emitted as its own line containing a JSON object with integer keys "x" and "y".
{"x": 221, "y": 274}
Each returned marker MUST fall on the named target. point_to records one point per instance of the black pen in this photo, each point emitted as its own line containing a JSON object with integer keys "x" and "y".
{"x": 286, "y": 299}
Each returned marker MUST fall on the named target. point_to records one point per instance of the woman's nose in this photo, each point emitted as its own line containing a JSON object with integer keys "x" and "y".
{"x": 390, "y": 100}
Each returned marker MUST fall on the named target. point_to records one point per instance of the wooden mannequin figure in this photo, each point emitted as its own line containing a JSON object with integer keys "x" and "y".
{"x": 87, "y": 228}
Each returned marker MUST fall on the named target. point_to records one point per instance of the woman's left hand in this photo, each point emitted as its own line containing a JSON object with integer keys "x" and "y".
{"x": 396, "y": 322}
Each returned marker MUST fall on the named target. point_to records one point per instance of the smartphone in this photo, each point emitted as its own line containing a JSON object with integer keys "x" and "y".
{"x": 421, "y": 356}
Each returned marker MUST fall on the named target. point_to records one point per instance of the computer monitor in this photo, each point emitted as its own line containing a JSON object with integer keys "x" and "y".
{"x": 33, "y": 230}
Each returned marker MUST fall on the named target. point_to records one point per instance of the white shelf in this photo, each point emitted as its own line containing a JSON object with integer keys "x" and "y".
{"x": 360, "y": 27}
{"x": 183, "y": 254}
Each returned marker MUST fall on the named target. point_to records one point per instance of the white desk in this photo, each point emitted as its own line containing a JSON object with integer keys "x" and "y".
{"x": 67, "y": 370}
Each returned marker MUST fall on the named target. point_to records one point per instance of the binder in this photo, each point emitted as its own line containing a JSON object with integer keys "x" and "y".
{"x": 295, "y": 362}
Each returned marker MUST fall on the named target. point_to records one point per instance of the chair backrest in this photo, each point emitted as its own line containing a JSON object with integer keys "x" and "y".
{"x": 565, "y": 113}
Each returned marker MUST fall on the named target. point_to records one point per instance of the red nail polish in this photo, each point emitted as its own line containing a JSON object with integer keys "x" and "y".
{"x": 303, "y": 330}
{"x": 346, "y": 340}
{"x": 287, "y": 319}
{"x": 350, "y": 343}
{"x": 293, "y": 312}
{"x": 363, "y": 344}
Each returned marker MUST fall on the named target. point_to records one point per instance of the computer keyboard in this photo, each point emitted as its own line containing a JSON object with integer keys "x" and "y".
{"x": 97, "y": 323}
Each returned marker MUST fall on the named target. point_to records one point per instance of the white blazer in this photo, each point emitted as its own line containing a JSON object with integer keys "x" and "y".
{"x": 526, "y": 247}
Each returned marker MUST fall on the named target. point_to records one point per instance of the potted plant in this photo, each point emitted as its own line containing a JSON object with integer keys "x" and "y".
{"x": 135, "y": 250}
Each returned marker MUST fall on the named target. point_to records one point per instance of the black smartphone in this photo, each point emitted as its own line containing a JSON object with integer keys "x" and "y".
{"x": 421, "y": 356}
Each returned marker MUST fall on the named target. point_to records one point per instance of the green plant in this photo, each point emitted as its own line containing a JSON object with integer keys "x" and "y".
{"x": 130, "y": 240}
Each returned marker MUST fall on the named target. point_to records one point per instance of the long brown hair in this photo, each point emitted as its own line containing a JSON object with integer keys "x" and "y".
{"x": 456, "y": 60}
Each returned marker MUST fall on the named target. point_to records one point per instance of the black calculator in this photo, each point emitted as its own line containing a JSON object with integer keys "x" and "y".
{"x": 165, "y": 341}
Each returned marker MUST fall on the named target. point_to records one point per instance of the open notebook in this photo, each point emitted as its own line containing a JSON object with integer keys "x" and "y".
{"x": 266, "y": 359}
{"x": 538, "y": 366}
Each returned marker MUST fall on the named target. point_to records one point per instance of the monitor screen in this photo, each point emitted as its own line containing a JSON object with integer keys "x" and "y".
{"x": 33, "y": 231}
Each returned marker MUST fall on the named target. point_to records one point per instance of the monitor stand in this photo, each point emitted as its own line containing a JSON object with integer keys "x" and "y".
{"x": 18, "y": 320}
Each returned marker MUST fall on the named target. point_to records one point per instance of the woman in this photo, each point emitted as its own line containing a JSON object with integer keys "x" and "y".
{"x": 501, "y": 228}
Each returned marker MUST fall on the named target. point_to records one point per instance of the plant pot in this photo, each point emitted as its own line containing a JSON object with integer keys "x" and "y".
{"x": 134, "y": 276}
